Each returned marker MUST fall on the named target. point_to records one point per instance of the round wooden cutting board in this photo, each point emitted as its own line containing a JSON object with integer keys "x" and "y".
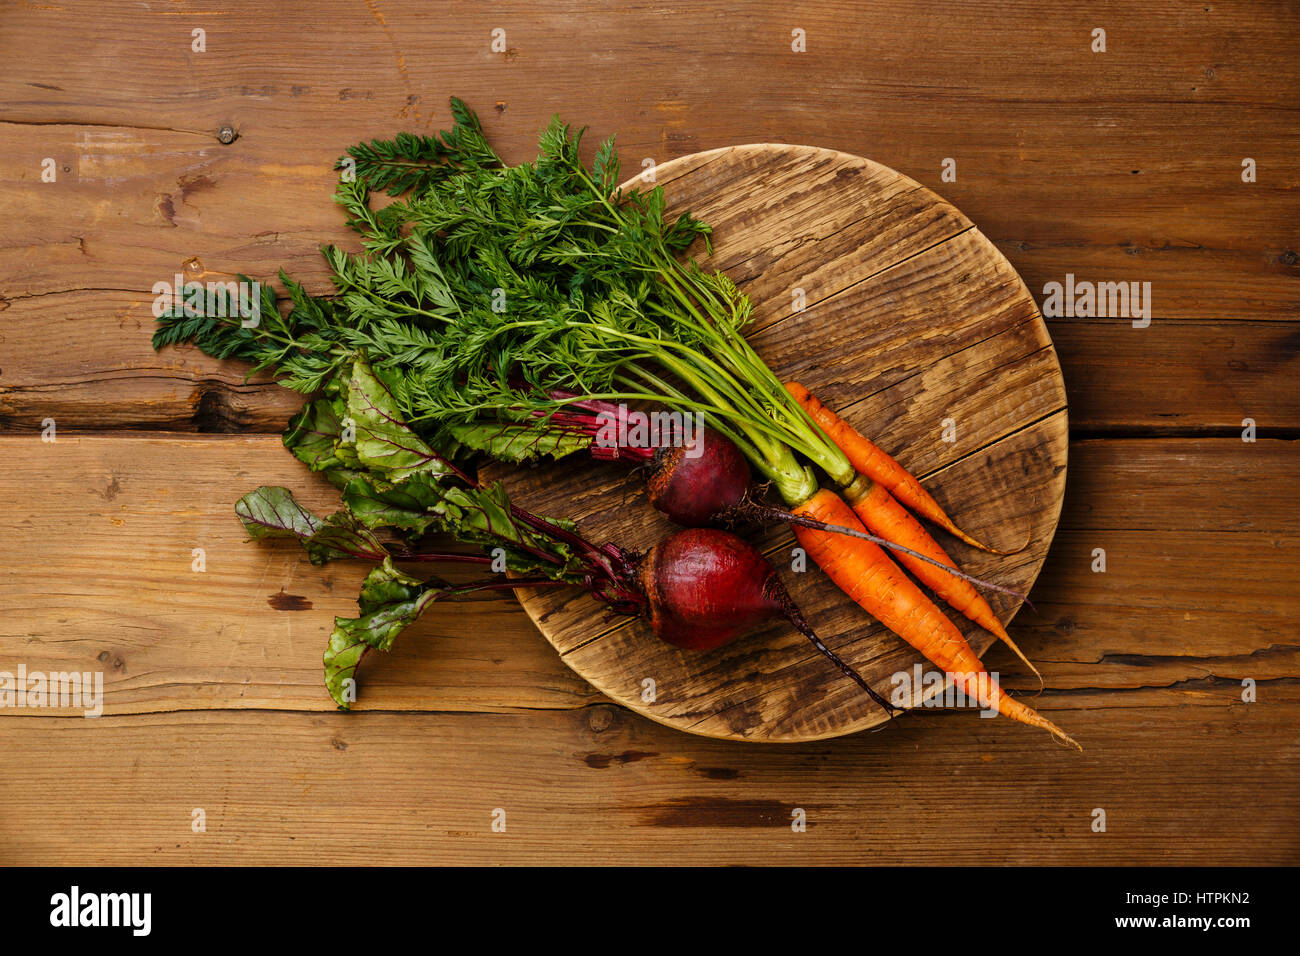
{"x": 893, "y": 308}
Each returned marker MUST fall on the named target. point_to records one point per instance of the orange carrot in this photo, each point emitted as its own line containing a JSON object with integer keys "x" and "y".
{"x": 876, "y": 464}
{"x": 885, "y": 517}
{"x": 864, "y": 572}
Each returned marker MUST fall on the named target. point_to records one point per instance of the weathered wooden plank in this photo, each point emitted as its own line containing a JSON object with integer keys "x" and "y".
{"x": 99, "y": 576}
{"x": 1180, "y": 376}
{"x": 1170, "y": 53}
{"x": 1203, "y": 537}
{"x": 96, "y": 575}
{"x": 63, "y": 359}
{"x": 601, "y": 785}
{"x": 135, "y": 203}
{"x": 1195, "y": 594}
{"x": 85, "y": 378}
{"x": 1207, "y": 486}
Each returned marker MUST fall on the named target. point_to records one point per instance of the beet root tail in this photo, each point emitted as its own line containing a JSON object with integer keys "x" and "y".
{"x": 796, "y": 619}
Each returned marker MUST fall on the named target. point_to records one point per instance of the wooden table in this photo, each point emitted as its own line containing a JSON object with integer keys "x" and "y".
{"x": 1124, "y": 165}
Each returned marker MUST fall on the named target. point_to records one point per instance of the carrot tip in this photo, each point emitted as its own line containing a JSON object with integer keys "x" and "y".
{"x": 1023, "y": 713}
{"x": 1067, "y": 739}
{"x": 1058, "y": 734}
{"x": 1021, "y": 654}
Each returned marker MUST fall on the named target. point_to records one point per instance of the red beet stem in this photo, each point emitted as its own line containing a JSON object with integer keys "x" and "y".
{"x": 498, "y": 583}
{"x": 611, "y": 569}
{"x": 451, "y": 557}
{"x": 591, "y": 418}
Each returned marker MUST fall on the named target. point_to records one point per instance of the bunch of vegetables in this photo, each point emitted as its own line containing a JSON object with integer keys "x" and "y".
{"x": 497, "y": 308}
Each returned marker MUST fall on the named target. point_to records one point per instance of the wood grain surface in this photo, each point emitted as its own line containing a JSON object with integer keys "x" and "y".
{"x": 917, "y": 322}
{"x": 1117, "y": 166}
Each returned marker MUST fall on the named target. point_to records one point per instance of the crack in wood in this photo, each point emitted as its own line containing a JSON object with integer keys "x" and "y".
{"x": 102, "y": 125}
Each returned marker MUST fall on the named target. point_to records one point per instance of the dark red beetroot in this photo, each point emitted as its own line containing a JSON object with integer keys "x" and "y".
{"x": 693, "y": 485}
{"x": 696, "y": 483}
{"x": 706, "y": 587}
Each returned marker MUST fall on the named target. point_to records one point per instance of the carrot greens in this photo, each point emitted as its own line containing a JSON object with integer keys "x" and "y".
{"x": 487, "y": 287}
